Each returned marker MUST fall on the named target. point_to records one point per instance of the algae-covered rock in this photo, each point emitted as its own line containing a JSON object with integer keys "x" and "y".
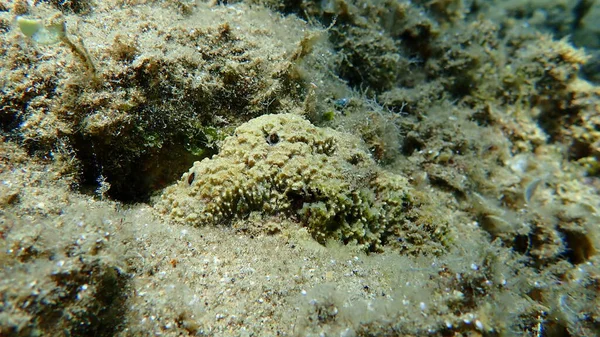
{"x": 281, "y": 164}
{"x": 137, "y": 87}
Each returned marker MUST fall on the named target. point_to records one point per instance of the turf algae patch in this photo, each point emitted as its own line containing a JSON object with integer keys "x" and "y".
{"x": 59, "y": 271}
{"x": 151, "y": 90}
{"x": 326, "y": 180}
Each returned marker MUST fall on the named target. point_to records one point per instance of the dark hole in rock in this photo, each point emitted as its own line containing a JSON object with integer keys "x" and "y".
{"x": 411, "y": 144}
{"x": 580, "y": 247}
{"x": 521, "y": 243}
{"x": 133, "y": 177}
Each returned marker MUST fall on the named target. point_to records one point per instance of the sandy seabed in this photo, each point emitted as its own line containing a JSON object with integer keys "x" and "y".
{"x": 442, "y": 179}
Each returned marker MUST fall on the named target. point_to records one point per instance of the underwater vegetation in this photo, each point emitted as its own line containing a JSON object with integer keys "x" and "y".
{"x": 299, "y": 168}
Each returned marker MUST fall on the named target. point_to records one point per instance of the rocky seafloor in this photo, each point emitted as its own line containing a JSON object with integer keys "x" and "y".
{"x": 299, "y": 168}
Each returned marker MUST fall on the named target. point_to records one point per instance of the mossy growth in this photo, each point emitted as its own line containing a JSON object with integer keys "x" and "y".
{"x": 324, "y": 179}
{"x": 166, "y": 86}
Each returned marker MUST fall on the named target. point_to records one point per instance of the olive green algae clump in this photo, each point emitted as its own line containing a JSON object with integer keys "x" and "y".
{"x": 283, "y": 165}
